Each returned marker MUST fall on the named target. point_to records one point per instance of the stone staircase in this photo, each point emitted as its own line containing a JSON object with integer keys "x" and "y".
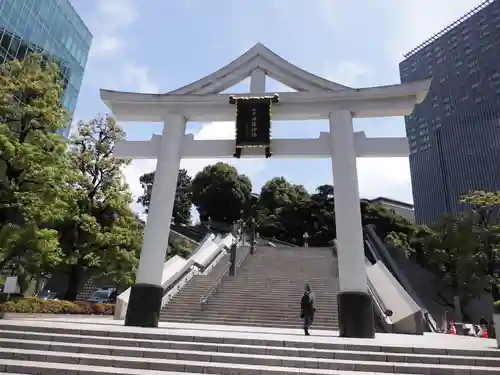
{"x": 45, "y": 347}
{"x": 197, "y": 285}
{"x": 266, "y": 291}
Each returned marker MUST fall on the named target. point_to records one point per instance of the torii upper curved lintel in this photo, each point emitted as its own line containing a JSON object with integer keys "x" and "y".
{"x": 273, "y": 65}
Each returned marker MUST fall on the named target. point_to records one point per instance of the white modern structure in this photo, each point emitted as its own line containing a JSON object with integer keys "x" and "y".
{"x": 316, "y": 98}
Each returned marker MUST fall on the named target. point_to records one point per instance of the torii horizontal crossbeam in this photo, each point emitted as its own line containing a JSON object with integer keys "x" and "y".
{"x": 282, "y": 148}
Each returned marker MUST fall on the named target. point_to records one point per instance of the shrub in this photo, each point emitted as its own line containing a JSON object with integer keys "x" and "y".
{"x": 47, "y": 306}
{"x": 496, "y": 307}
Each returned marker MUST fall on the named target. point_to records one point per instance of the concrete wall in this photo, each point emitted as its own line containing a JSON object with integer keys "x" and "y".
{"x": 407, "y": 315}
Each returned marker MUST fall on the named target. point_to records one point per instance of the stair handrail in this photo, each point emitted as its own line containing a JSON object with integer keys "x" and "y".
{"x": 214, "y": 285}
{"x": 383, "y": 310}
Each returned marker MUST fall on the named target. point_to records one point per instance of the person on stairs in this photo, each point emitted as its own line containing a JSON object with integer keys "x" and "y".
{"x": 307, "y": 308}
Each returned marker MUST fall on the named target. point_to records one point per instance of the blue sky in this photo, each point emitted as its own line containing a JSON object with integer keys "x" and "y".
{"x": 157, "y": 46}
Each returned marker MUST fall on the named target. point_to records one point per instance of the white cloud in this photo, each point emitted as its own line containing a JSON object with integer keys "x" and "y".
{"x": 349, "y": 73}
{"x": 108, "y": 25}
{"x": 388, "y": 177}
{"x": 137, "y": 78}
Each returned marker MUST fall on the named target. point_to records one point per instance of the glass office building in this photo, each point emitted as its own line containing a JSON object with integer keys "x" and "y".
{"x": 53, "y": 28}
{"x": 454, "y": 135}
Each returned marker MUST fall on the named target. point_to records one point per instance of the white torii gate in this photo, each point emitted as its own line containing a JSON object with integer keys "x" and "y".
{"x": 316, "y": 98}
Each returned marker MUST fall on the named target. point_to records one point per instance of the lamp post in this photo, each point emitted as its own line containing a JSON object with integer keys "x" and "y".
{"x": 232, "y": 257}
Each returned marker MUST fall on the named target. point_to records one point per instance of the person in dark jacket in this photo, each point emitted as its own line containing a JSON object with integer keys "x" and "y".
{"x": 307, "y": 308}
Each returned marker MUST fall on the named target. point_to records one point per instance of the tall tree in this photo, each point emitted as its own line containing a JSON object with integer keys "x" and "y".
{"x": 283, "y": 210}
{"x": 100, "y": 233}
{"x": 34, "y": 168}
{"x": 220, "y": 193}
{"x": 182, "y": 204}
{"x": 453, "y": 256}
{"x": 322, "y": 207}
{"x": 486, "y": 223}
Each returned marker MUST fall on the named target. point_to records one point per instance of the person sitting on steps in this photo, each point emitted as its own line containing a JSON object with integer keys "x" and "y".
{"x": 307, "y": 308}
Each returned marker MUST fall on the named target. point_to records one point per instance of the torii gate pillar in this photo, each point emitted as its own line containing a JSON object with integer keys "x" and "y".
{"x": 146, "y": 295}
{"x": 355, "y": 304}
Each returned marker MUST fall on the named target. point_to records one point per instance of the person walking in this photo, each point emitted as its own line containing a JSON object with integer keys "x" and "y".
{"x": 307, "y": 308}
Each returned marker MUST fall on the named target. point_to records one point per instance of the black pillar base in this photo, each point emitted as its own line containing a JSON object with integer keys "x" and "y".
{"x": 144, "y": 306}
{"x": 356, "y": 317}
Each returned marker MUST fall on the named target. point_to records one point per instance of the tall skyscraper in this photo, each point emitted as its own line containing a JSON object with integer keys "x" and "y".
{"x": 454, "y": 135}
{"x": 53, "y": 28}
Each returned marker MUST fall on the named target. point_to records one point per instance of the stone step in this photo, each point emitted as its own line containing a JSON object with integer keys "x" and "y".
{"x": 22, "y": 350}
{"x": 243, "y": 275}
{"x": 223, "y": 298}
{"x": 318, "y": 325}
{"x": 254, "y": 321}
{"x": 246, "y": 308}
{"x": 243, "y": 295}
{"x": 267, "y": 290}
{"x": 211, "y": 308}
{"x": 263, "y": 309}
{"x": 238, "y": 315}
{"x": 258, "y": 292}
{"x": 31, "y": 367}
{"x": 331, "y": 289}
{"x": 240, "y": 293}
{"x": 260, "y": 324}
{"x": 259, "y": 308}
{"x": 301, "y": 279}
{"x": 247, "y": 317}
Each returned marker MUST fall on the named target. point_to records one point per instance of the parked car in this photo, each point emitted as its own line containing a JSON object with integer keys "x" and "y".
{"x": 103, "y": 295}
{"x": 48, "y": 294}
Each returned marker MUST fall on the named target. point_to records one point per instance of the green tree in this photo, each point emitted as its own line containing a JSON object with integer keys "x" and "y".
{"x": 453, "y": 256}
{"x": 322, "y": 222}
{"x": 486, "y": 224}
{"x": 182, "y": 205}
{"x": 283, "y": 210}
{"x": 100, "y": 233}
{"x": 181, "y": 247}
{"x": 34, "y": 167}
{"x": 220, "y": 193}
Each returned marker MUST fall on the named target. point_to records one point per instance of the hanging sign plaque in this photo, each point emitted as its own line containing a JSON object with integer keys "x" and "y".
{"x": 253, "y": 122}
